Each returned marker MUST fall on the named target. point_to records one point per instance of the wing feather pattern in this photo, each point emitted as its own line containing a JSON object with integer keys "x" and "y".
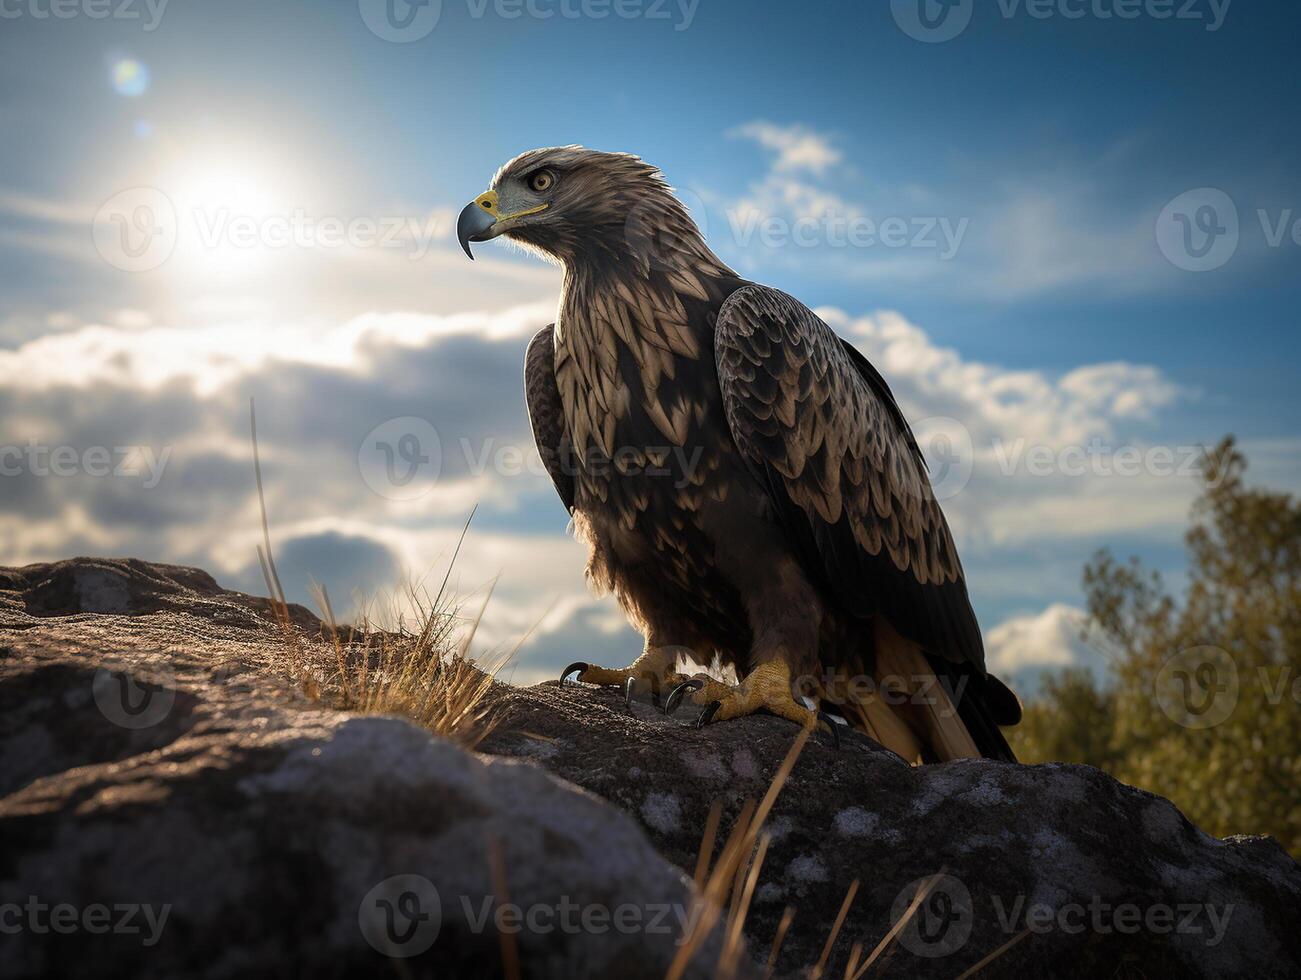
{"x": 819, "y": 427}
{"x": 547, "y": 413}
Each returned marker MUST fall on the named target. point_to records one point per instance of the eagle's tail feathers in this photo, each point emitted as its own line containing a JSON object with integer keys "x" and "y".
{"x": 920, "y": 709}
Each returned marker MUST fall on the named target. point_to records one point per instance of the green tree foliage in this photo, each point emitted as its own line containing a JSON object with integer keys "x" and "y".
{"x": 1203, "y": 704}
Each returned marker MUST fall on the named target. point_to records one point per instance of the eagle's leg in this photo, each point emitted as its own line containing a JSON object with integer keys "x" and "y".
{"x": 654, "y": 669}
{"x": 769, "y": 687}
{"x": 785, "y": 617}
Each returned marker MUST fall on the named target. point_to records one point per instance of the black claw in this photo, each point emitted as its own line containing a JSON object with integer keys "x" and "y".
{"x": 835, "y": 728}
{"x": 707, "y": 715}
{"x": 676, "y": 695}
{"x": 575, "y": 668}
{"x": 629, "y": 686}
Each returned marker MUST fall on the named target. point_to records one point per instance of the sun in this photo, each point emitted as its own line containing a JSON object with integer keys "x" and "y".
{"x": 234, "y": 190}
{"x": 231, "y": 214}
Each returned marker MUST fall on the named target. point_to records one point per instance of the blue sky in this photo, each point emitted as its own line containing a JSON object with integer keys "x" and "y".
{"x": 1051, "y": 147}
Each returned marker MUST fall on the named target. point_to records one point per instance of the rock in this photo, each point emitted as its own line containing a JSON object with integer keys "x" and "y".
{"x": 1110, "y": 880}
{"x": 264, "y": 823}
{"x": 206, "y": 819}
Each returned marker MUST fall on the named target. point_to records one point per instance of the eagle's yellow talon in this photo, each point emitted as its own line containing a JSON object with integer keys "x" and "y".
{"x": 766, "y": 688}
{"x": 653, "y": 668}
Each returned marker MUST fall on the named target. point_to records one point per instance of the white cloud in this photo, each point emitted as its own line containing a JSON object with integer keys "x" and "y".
{"x": 1120, "y": 389}
{"x": 796, "y": 147}
{"x": 1023, "y": 233}
{"x": 1048, "y": 639}
{"x": 44, "y": 210}
{"x": 213, "y": 356}
{"x": 321, "y": 387}
{"x": 1040, "y": 455}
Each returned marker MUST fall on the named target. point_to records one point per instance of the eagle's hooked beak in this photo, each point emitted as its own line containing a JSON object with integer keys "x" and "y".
{"x": 482, "y": 220}
{"x": 476, "y": 221}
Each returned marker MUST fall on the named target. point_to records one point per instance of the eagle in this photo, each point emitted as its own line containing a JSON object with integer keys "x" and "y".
{"x": 747, "y": 486}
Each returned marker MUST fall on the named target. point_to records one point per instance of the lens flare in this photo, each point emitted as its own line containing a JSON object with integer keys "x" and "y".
{"x": 130, "y": 78}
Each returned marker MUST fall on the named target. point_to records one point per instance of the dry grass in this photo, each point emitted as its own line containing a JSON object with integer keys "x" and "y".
{"x": 425, "y": 674}
{"x": 422, "y": 671}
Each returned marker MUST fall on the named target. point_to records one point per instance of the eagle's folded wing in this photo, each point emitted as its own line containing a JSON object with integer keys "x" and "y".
{"x": 819, "y": 428}
{"x": 547, "y": 413}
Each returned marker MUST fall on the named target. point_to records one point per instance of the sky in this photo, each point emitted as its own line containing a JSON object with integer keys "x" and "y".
{"x": 1066, "y": 231}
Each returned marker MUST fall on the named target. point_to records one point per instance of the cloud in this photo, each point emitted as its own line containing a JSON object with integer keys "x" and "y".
{"x": 324, "y": 389}
{"x": 354, "y": 569}
{"x": 44, "y": 210}
{"x": 1050, "y": 638}
{"x": 1121, "y": 390}
{"x": 1039, "y": 456}
{"x": 1018, "y": 234}
{"x": 1023, "y": 649}
{"x": 797, "y": 148}
{"x": 213, "y": 356}
{"x": 790, "y": 188}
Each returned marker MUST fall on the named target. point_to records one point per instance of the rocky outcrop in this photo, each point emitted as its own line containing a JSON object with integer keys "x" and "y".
{"x": 1103, "y": 879}
{"x": 171, "y": 809}
{"x": 156, "y": 763}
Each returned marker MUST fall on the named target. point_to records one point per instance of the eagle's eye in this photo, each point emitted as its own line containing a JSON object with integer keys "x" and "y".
{"x": 541, "y": 180}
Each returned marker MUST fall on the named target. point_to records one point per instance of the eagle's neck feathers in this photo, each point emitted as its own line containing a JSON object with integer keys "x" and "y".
{"x": 632, "y": 319}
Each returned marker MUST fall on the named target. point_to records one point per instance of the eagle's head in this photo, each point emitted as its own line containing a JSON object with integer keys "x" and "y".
{"x": 576, "y": 205}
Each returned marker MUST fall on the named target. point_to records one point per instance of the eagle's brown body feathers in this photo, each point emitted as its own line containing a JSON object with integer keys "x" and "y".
{"x": 746, "y": 484}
